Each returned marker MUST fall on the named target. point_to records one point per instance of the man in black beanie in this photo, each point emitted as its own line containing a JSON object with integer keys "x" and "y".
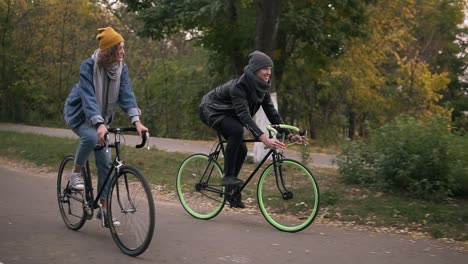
{"x": 230, "y": 107}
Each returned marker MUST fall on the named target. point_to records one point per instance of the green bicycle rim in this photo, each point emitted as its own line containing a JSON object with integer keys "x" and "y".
{"x": 265, "y": 213}
{"x": 180, "y": 193}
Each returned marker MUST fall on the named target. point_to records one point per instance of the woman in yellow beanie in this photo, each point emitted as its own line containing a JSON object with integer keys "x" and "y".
{"x": 104, "y": 84}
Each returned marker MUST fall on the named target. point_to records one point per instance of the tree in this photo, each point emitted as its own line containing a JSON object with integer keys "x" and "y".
{"x": 43, "y": 42}
{"x": 267, "y": 23}
{"x": 230, "y": 30}
{"x": 386, "y": 74}
{"x": 222, "y": 27}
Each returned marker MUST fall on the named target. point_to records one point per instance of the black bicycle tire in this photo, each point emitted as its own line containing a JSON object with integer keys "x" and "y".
{"x": 60, "y": 175}
{"x": 149, "y": 235}
{"x": 180, "y": 194}
{"x": 310, "y": 219}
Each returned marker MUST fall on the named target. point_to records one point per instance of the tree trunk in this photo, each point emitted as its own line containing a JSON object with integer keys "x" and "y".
{"x": 265, "y": 40}
{"x": 352, "y": 124}
{"x": 268, "y": 12}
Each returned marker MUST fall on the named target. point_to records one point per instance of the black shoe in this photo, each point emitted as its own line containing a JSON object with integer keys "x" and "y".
{"x": 235, "y": 201}
{"x": 231, "y": 181}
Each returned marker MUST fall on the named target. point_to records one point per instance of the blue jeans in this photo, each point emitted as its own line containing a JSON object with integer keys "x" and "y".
{"x": 88, "y": 140}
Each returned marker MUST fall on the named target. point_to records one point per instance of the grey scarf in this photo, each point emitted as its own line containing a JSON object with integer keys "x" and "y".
{"x": 106, "y": 82}
{"x": 260, "y": 87}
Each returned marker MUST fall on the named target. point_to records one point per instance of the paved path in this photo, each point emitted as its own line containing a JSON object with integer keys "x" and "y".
{"x": 32, "y": 232}
{"x": 168, "y": 144}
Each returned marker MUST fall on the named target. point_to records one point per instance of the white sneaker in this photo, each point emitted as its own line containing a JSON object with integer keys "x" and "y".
{"x": 76, "y": 181}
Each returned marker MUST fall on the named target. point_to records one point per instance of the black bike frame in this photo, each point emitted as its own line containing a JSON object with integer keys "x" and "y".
{"x": 272, "y": 152}
{"x": 116, "y": 163}
{"x": 87, "y": 176}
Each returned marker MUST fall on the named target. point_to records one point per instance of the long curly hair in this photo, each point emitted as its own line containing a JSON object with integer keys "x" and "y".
{"x": 108, "y": 56}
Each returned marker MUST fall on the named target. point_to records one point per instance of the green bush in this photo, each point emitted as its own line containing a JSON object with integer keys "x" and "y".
{"x": 356, "y": 163}
{"x": 459, "y": 163}
{"x": 424, "y": 160}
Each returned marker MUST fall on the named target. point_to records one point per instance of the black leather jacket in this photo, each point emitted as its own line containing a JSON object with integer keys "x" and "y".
{"x": 240, "y": 98}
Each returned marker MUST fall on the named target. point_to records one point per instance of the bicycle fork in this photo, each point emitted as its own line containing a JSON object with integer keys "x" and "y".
{"x": 277, "y": 166}
{"x": 132, "y": 208}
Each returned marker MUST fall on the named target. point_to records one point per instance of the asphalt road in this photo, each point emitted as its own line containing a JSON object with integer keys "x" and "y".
{"x": 32, "y": 231}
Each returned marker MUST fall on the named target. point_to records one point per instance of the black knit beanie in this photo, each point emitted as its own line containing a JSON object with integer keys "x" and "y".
{"x": 259, "y": 60}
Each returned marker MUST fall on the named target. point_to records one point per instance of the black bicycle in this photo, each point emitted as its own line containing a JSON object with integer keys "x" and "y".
{"x": 287, "y": 193}
{"x": 130, "y": 199}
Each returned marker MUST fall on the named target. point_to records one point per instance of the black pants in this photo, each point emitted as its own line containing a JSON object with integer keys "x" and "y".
{"x": 236, "y": 149}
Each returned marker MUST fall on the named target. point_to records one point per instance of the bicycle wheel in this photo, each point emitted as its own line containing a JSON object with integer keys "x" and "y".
{"x": 199, "y": 186}
{"x": 131, "y": 202}
{"x": 70, "y": 201}
{"x": 292, "y": 205}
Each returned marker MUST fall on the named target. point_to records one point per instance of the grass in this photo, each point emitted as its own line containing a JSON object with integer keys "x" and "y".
{"x": 339, "y": 202}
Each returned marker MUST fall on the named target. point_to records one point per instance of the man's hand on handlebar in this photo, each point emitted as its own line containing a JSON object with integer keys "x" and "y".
{"x": 272, "y": 143}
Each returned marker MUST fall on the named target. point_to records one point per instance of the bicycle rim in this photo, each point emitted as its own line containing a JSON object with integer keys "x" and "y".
{"x": 70, "y": 201}
{"x": 131, "y": 202}
{"x": 199, "y": 186}
{"x": 295, "y": 207}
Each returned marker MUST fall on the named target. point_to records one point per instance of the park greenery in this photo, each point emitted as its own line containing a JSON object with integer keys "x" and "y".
{"x": 342, "y": 67}
{"x": 388, "y": 77}
{"x": 424, "y": 160}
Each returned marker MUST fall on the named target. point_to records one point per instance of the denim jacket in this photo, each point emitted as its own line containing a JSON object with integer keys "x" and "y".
{"x": 81, "y": 104}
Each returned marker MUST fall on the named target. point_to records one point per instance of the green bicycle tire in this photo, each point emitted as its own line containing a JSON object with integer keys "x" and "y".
{"x": 196, "y": 199}
{"x": 297, "y": 212}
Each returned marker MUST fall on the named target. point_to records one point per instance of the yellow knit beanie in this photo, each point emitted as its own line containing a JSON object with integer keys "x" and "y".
{"x": 107, "y": 37}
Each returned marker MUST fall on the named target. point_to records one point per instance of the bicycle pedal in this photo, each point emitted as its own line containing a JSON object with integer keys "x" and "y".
{"x": 73, "y": 190}
{"x": 101, "y": 215}
{"x": 89, "y": 213}
{"x": 232, "y": 190}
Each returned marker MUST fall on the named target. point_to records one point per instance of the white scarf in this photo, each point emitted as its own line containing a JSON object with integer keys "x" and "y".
{"x": 106, "y": 82}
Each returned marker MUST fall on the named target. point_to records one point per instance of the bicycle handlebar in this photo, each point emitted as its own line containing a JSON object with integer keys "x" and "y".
{"x": 273, "y": 129}
{"x": 144, "y": 138}
{"x": 119, "y": 130}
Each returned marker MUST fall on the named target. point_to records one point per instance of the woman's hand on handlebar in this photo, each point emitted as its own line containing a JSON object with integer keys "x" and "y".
{"x": 298, "y": 139}
{"x": 101, "y": 134}
{"x": 141, "y": 128}
{"x": 272, "y": 143}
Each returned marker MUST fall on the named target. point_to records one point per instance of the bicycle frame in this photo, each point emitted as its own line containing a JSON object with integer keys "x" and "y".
{"x": 287, "y": 192}
{"x": 113, "y": 171}
{"x": 275, "y": 154}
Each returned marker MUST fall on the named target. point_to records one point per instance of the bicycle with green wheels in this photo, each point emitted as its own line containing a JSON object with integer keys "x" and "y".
{"x": 287, "y": 192}
{"x": 130, "y": 199}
